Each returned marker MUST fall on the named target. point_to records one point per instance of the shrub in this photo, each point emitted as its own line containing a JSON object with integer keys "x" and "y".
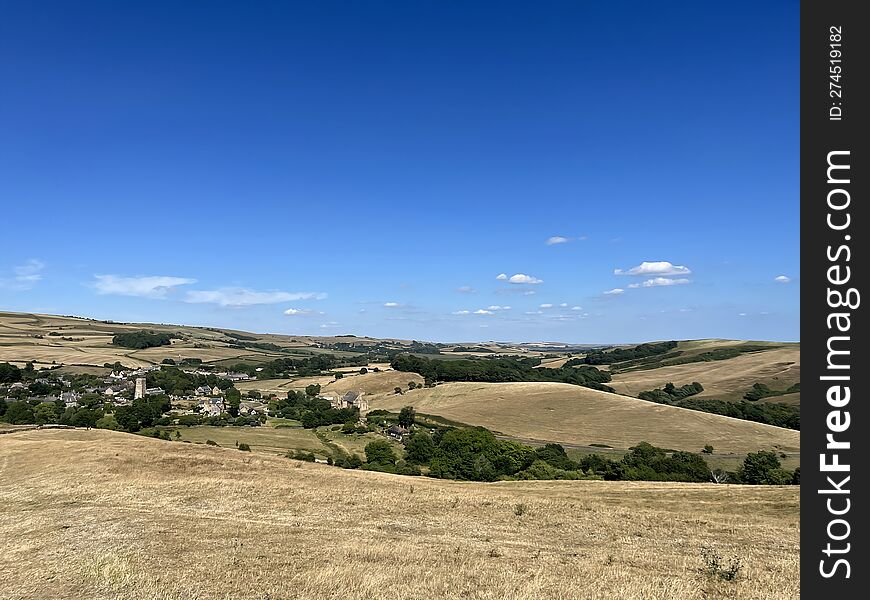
{"x": 301, "y": 455}
{"x": 714, "y": 565}
{"x": 211, "y": 443}
{"x": 244, "y": 447}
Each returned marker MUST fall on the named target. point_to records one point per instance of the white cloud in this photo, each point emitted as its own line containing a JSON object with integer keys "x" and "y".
{"x": 298, "y": 311}
{"x": 501, "y": 276}
{"x": 481, "y": 311}
{"x": 741, "y": 314}
{"x": 466, "y": 289}
{"x": 156, "y": 286}
{"x": 576, "y": 308}
{"x": 497, "y": 307}
{"x": 329, "y": 325}
{"x": 520, "y": 278}
{"x": 661, "y": 267}
{"x": 557, "y": 239}
{"x": 391, "y": 304}
{"x": 614, "y": 292}
{"x": 25, "y": 277}
{"x": 237, "y": 297}
{"x": 564, "y": 305}
{"x": 659, "y": 281}
{"x": 461, "y": 312}
{"x": 30, "y": 271}
{"x": 548, "y": 305}
{"x": 782, "y": 279}
{"x": 534, "y": 312}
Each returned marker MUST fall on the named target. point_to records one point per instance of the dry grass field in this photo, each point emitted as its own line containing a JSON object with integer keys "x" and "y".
{"x": 383, "y": 382}
{"x": 90, "y": 515}
{"x": 581, "y": 416}
{"x": 729, "y": 379}
{"x": 273, "y": 440}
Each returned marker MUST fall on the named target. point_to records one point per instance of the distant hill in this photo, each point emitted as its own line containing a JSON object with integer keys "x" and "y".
{"x": 580, "y": 416}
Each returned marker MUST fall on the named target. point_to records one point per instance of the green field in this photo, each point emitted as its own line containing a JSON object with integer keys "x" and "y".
{"x": 274, "y": 440}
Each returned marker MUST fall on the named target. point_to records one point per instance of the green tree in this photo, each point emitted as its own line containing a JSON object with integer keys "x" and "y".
{"x": 9, "y": 373}
{"x": 233, "y": 399}
{"x": 407, "y": 416}
{"x": 46, "y": 413}
{"x": 759, "y": 468}
{"x": 19, "y": 413}
{"x": 380, "y": 452}
{"x": 419, "y": 449}
{"x": 312, "y": 390}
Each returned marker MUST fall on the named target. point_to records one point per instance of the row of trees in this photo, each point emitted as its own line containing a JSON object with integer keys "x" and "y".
{"x": 760, "y": 391}
{"x": 770, "y": 413}
{"x": 617, "y": 355}
{"x": 475, "y": 454}
{"x": 495, "y": 370}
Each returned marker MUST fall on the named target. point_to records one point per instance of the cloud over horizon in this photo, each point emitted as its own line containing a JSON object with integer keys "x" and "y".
{"x": 236, "y": 297}
{"x": 152, "y": 286}
{"x": 25, "y": 275}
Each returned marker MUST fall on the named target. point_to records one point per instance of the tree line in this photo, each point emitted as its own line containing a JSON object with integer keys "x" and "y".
{"x": 498, "y": 370}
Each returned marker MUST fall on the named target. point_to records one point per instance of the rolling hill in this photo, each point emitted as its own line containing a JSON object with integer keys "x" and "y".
{"x": 575, "y": 415}
{"x": 778, "y": 367}
{"x": 90, "y": 515}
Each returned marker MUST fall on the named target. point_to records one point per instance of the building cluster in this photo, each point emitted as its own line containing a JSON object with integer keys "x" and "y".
{"x": 348, "y": 400}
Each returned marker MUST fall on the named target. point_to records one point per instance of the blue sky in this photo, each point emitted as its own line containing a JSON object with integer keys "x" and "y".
{"x": 372, "y": 168}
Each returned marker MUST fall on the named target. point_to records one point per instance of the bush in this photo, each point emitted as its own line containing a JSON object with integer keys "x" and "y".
{"x": 211, "y": 443}
{"x": 714, "y": 565}
{"x": 244, "y": 447}
{"x": 301, "y": 455}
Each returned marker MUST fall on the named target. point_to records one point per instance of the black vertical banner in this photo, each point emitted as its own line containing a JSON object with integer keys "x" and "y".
{"x": 835, "y": 222}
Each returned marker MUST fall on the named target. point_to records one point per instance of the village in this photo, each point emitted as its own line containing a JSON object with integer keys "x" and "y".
{"x": 214, "y": 403}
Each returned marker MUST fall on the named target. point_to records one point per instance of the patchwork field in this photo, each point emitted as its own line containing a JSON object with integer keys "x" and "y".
{"x": 89, "y": 515}
{"x": 581, "y": 416}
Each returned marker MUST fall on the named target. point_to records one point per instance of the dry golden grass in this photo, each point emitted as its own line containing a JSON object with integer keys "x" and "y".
{"x": 272, "y": 440}
{"x": 383, "y": 382}
{"x": 89, "y": 515}
{"x": 581, "y": 416}
{"x": 725, "y": 379}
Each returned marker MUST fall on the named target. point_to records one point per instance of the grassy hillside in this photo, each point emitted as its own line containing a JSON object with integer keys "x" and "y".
{"x": 95, "y": 515}
{"x": 571, "y": 414}
{"x": 779, "y": 368}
